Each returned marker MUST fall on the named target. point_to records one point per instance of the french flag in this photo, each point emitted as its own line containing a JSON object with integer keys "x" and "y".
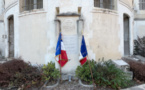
{"x": 83, "y": 52}
{"x": 61, "y": 56}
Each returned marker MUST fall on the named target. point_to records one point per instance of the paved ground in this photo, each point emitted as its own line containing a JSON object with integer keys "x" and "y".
{"x": 140, "y": 87}
{"x": 65, "y": 85}
{"x": 74, "y": 85}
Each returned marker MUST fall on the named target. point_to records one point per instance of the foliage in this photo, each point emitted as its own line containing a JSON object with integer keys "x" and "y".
{"x": 17, "y": 73}
{"x": 105, "y": 74}
{"x": 50, "y": 73}
{"x": 8, "y": 70}
{"x": 139, "y": 46}
{"x": 83, "y": 72}
{"x": 138, "y": 70}
{"x": 29, "y": 76}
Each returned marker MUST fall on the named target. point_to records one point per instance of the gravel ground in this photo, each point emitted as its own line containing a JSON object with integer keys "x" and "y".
{"x": 74, "y": 85}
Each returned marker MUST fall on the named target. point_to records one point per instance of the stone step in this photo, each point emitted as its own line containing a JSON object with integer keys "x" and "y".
{"x": 130, "y": 58}
{"x": 141, "y": 58}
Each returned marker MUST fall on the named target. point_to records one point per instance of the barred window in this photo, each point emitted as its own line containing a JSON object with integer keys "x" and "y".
{"x": 142, "y": 4}
{"x": 108, "y": 4}
{"x": 32, "y": 4}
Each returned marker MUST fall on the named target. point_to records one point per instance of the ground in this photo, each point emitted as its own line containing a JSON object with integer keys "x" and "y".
{"x": 73, "y": 85}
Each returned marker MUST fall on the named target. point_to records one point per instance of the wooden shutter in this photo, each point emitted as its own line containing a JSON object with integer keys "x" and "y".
{"x": 140, "y": 4}
{"x": 143, "y": 5}
{"x": 96, "y": 3}
{"x": 39, "y": 4}
{"x": 105, "y": 4}
{"x": 22, "y": 5}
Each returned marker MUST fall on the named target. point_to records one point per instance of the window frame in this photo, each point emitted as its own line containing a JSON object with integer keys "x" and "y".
{"x": 29, "y": 5}
{"x": 141, "y": 4}
{"x": 101, "y": 4}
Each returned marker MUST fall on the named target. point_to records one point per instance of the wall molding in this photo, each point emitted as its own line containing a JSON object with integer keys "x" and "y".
{"x": 126, "y": 5}
{"x": 11, "y": 5}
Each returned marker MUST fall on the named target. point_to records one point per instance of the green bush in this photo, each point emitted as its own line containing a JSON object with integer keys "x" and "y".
{"x": 50, "y": 73}
{"x": 105, "y": 74}
{"x": 83, "y": 72}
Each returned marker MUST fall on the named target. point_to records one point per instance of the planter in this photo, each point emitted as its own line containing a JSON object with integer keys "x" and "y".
{"x": 51, "y": 86}
{"x": 80, "y": 82}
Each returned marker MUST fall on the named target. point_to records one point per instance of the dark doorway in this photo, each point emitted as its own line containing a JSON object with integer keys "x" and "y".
{"x": 11, "y": 36}
{"x": 126, "y": 35}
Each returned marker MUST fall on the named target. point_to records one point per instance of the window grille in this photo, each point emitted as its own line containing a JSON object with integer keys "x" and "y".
{"x": 32, "y": 4}
{"x": 108, "y": 4}
{"x": 142, "y": 4}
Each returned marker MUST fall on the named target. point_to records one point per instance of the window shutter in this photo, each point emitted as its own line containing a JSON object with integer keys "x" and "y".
{"x": 26, "y": 6}
{"x": 22, "y": 5}
{"x": 143, "y": 4}
{"x": 31, "y": 4}
{"x": 97, "y": 3}
{"x": 112, "y": 4}
{"x": 105, "y": 4}
{"x": 39, "y": 4}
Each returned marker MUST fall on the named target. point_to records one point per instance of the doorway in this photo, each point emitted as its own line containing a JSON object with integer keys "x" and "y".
{"x": 11, "y": 36}
{"x": 126, "y": 35}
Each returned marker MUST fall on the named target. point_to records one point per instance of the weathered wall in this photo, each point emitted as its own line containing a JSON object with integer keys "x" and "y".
{"x": 104, "y": 40}
{"x": 13, "y": 11}
{"x": 2, "y": 45}
{"x": 35, "y": 35}
{"x": 9, "y": 2}
{"x": 139, "y": 28}
{"x": 1, "y": 6}
{"x": 127, "y": 2}
{"x": 139, "y": 23}
{"x": 125, "y": 9}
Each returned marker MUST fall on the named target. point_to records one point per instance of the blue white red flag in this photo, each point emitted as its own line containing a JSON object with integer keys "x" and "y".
{"x": 83, "y": 52}
{"x": 61, "y": 56}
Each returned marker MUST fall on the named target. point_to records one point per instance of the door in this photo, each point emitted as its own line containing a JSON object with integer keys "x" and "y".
{"x": 11, "y": 36}
{"x": 126, "y": 36}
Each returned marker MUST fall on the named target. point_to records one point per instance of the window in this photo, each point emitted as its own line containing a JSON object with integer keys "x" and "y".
{"x": 32, "y": 4}
{"x": 108, "y": 4}
{"x": 142, "y": 4}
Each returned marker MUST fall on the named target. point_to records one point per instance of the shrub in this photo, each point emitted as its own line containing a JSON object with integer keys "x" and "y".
{"x": 30, "y": 76}
{"x": 138, "y": 70}
{"x": 105, "y": 74}
{"x": 8, "y": 70}
{"x": 17, "y": 73}
{"x": 83, "y": 72}
{"x": 139, "y": 46}
{"x": 50, "y": 73}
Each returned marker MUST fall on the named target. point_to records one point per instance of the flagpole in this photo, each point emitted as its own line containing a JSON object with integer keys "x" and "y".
{"x": 60, "y": 54}
{"x": 60, "y": 70}
{"x": 91, "y": 73}
{"x": 90, "y": 69}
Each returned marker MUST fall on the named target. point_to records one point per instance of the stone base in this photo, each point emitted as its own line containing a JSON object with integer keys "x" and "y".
{"x": 68, "y": 77}
{"x": 141, "y": 58}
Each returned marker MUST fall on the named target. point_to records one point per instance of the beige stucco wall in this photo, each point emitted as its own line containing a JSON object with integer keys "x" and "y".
{"x": 104, "y": 41}
{"x": 33, "y": 40}
{"x": 139, "y": 23}
{"x": 35, "y": 35}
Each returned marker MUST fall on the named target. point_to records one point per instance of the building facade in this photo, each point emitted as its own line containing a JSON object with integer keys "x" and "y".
{"x": 29, "y": 28}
